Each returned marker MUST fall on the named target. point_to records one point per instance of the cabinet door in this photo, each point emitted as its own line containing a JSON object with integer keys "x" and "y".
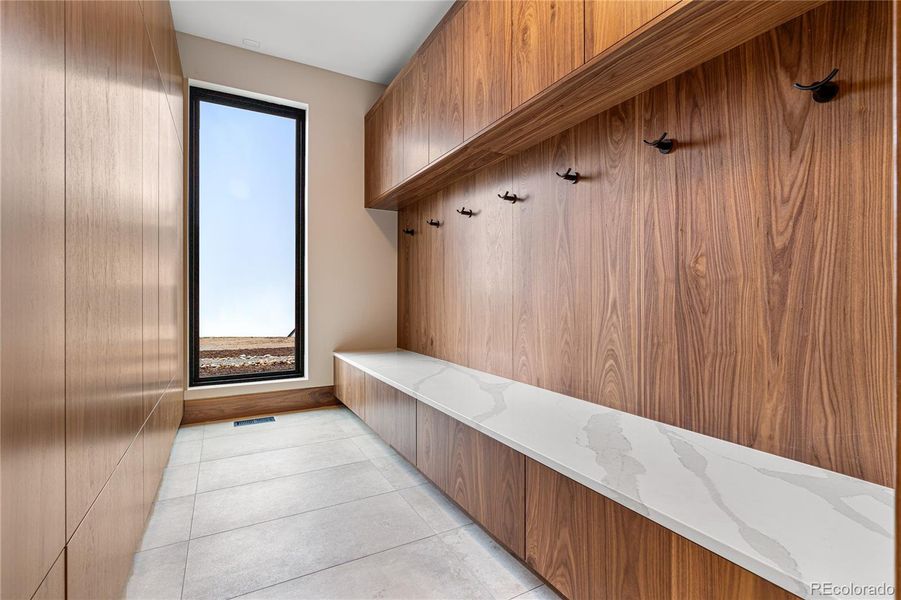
{"x": 548, "y": 43}
{"x": 416, "y": 117}
{"x": 487, "y": 33}
{"x": 374, "y": 148}
{"x": 393, "y": 138}
{"x": 349, "y": 387}
{"x": 609, "y": 21}
{"x": 392, "y": 415}
{"x": 444, "y": 63}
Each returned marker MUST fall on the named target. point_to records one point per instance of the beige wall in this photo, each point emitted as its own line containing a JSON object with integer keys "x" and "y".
{"x": 351, "y": 251}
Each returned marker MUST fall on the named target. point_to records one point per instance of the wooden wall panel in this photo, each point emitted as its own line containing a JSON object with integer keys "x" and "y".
{"x": 104, "y": 321}
{"x": 548, "y": 43}
{"x": 487, "y": 58}
{"x": 393, "y": 136}
{"x": 152, "y": 97}
{"x": 444, "y": 63}
{"x": 609, "y": 21}
{"x": 250, "y": 405}
{"x": 551, "y": 269}
{"x": 54, "y": 585}
{"x": 432, "y": 338}
{"x": 415, "y": 98}
{"x": 374, "y": 148}
{"x": 171, "y": 265}
{"x": 100, "y": 554}
{"x": 32, "y": 321}
{"x": 408, "y": 276}
{"x": 740, "y": 286}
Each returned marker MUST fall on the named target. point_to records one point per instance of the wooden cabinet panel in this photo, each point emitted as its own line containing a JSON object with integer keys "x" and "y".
{"x": 444, "y": 63}
{"x": 32, "y": 322}
{"x": 171, "y": 268}
{"x": 609, "y": 21}
{"x": 393, "y": 138}
{"x": 156, "y": 451}
{"x": 374, "y": 148}
{"x": 415, "y": 89}
{"x": 54, "y": 585}
{"x": 104, "y": 320}
{"x": 100, "y": 553}
{"x": 431, "y": 261}
{"x": 483, "y": 476}
{"x": 350, "y": 387}
{"x": 392, "y": 415}
{"x": 152, "y": 98}
{"x": 551, "y": 269}
{"x": 409, "y": 278}
{"x": 548, "y": 43}
{"x": 487, "y": 35}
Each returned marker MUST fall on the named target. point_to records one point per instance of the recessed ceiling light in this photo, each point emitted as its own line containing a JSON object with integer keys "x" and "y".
{"x": 250, "y": 43}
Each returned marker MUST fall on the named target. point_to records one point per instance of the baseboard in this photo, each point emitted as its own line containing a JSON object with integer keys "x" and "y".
{"x": 248, "y": 405}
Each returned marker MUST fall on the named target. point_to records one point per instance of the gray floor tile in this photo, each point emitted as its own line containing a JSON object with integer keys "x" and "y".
{"x": 170, "y": 522}
{"x": 422, "y": 570}
{"x": 189, "y": 433}
{"x": 157, "y": 574}
{"x": 178, "y": 481}
{"x": 398, "y": 471}
{"x": 503, "y": 575}
{"x": 260, "y": 466}
{"x": 185, "y": 453}
{"x": 439, "y": 512}
{"x": 540, "y": 593}
{"x": 250, "y": 558}
{"x": 271, "y": 439}
{"x": 233, "y": 507}
{"x": 373, "y": 447}
{"x": 324, "y": 415}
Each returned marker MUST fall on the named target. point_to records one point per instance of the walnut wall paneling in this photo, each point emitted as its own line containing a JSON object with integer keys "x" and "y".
{"x": 444, "y": 64}
{"x": 609, "y": 21}
{"x": 487, "y": 57}
{"x": 408, "y": 275}
{"x": 393, "y": 136}
{"x": 170, "y": 233}
{"x": 104, "y": 320}
{"x": 431, "y": 279}
{"x": 415, "y": 98}
{"x": 54, "y": 585}
{"x": 548, "y": 43}
{"x": 483, "y": 476}
{"x": 374, "y": 148}
{"x": 551, "y": 268}
{"x": 32, "y": 45}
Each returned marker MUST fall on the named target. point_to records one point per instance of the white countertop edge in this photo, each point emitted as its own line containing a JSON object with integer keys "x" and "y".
{"x": 765, "y": 570}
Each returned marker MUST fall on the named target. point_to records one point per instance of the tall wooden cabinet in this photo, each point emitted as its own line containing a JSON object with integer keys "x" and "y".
{"x": 91, "y": 287}
{"x": 444, "y": 65}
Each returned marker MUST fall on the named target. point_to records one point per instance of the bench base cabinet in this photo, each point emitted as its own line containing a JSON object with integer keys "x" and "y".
{"x": 588, "y": 546}
{"x": 483, "y": 476}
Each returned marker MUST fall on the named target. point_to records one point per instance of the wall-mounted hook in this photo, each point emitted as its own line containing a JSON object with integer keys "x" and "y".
{"x": 434, "y": 223}
{"x": 410, "y": 231}
{"x": 662, "y": 144}
{"x": 464, "y": 212}
{"x": 570, "y": 176}
{"x": 509, "y": 197}
{"x": 823, "y": 90}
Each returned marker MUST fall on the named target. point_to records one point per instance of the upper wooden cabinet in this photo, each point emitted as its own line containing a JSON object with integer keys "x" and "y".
{"x": 609, "y": 21}
{"x": 487, "y": 31}
{"x": 444, "y": 64}
{"x": 548, "y": 38}
{"x": 496, "y": 77}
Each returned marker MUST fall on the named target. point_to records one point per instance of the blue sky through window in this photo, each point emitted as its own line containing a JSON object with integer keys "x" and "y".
{"x": 247, "y": 222}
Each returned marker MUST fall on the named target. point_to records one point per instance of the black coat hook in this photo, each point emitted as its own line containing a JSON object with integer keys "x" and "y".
{"x": 570, "y": 176}
{"x": 508, "y": 197}
{"x": 464, "y": 212}
{"x": 662, "y": 144}
{"x": 823, "y": 90}
{"x": 410, "y": 231}
{"x": 434, "y": 223}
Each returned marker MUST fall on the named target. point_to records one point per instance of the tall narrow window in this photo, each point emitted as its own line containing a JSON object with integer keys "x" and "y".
{"x": 247, "y": 227}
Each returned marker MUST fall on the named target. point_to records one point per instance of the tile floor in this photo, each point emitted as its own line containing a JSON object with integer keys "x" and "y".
{"x": 311, "y": 506}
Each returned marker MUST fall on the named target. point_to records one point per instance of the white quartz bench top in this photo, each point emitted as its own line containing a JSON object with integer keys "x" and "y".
{"x": 793, "y": 524}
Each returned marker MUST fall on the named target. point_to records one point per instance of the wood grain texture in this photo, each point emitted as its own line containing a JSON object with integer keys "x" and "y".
{"x": 171, "y": 239}
{"x": 408, "y": 275}
{"x": 551, "y": 269}
{"x": 444, "y": 64}
{"x": 393, "y": 136}
{"x": 248, "y": 405}
{"x": 152, "y": 96}
{"x": 484, "y": 477}
{"x": 392, "y": 415}
{"x": 609, "y": 21}
{"x": 374, "y": 147}
{"x": 548, "y": 43}
{"x": 690, "y": 33}
{"x": 104, "y": 321}
{"x": 54, "y": 585}
{"x": 432, "y": 338}
{"x": 487, "y": 59}
{"x": 414, "y": 95}
{"x": 99, "y": 555}
{"x": 32, "y": 321}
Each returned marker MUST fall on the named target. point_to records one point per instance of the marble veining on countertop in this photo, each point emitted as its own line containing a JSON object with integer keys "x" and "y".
{"x": 796, "y": 525}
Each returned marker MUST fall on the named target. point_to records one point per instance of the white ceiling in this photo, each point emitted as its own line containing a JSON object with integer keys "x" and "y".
{"x": 369, "y": 39}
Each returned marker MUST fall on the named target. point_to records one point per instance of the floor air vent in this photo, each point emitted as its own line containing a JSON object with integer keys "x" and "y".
{"x": 254, "y": 421}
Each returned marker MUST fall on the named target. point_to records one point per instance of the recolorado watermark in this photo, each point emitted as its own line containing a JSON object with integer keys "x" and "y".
{"x": 852, "y": 590}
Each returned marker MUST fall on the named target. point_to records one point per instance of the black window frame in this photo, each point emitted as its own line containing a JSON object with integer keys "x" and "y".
{"x": 198, "y": 95}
